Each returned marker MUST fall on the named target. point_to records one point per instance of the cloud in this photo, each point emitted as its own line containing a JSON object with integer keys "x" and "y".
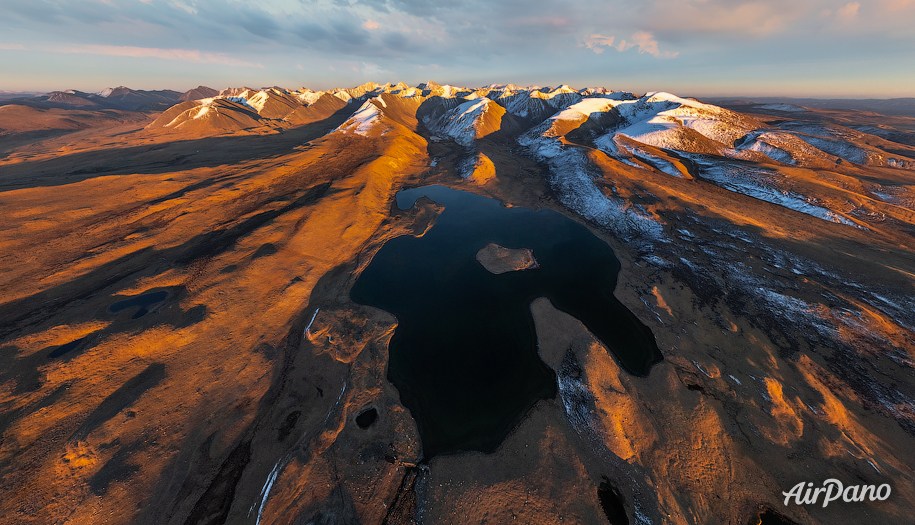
{"x": 418, "y": 31}
{"x": 422, "y": 8}
{"x": 646, "y": 44}
{"x": 525, "y": 40}
{"x": 183, "y": 55}
{"x": 553, "y": 22}
{"x": 597, "y": 43}
{"x": 898, "y": 5}
{"x": 189, "y": 9}
{"x": 711, "y": 18}
{"x": 848, "y": 12}
{"x": 643, "y": 41}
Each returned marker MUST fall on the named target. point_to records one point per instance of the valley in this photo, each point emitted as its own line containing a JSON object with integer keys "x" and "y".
{"x": 205, "y": 295}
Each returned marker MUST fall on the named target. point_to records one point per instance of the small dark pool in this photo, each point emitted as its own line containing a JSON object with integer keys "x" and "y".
{"x": 464, "y": 354}
{"x": 612, "y": 502}
{"x": 366, "y": 418}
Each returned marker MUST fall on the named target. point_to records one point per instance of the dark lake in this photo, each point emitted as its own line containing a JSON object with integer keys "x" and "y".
{"x": 464, "y": 354}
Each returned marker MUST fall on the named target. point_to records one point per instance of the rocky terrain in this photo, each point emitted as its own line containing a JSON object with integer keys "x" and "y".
{"x": 178, "y": 343}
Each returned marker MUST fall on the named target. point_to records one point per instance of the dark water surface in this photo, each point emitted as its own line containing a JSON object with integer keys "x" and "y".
{"x": 366, "y": 418}
{"x": 464, "y": 354}
{"x": 611, "y": 500}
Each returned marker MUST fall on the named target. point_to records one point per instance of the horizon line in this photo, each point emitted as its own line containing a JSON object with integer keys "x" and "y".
{"x": 719, "y": 95}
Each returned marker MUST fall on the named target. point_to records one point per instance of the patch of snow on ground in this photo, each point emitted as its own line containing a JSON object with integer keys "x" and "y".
{"x": 571, "y": 178}
{"x": 609, "y": 145}
{"x": 782, "y": 107}
{"x": 838, "y": 148}
{"x": 761, "y": 145}
{"x": 576, "y": 398}
{"x": 655, "y": 260}
{"x": 791, "y": 309}
{"x": 701, "y": 369}
{"x": 901, "y": 310}
{"x": 752, "y": 182}
{"x": 467, "y": 165}
{"x": 905, "y": 164}
{"x": 885, "y": 196}
{"x": 660, "y": 164}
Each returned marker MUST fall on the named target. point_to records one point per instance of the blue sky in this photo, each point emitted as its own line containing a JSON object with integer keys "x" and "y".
{"x": 692, "y": 47}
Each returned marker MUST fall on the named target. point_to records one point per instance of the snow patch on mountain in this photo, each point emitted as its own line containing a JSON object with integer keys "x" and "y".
{"x": 662, "y": 165}
{"x": 342, "y": 95}
{"x": 790, "y": 108}
{"x": 461, "y": 123}
{"x": 200, "y": 113}
{"x": 753, "y": 182}
{"x": 774, "y": 153}
{"x": 559, "y": 97}
{"x": 585, "y": 108}
{"x": 308, "y": 96}
{"x": 258, "y": 100}
{"x": 654, "y": 119}
{"x": 610, "y": 145}
{"x": 762, "y": 142}
{"x": 572, "y": 179}
{"x": 838, "y": 148}
{"x": 243, "y": 101}
{"x": 364, "y": 119}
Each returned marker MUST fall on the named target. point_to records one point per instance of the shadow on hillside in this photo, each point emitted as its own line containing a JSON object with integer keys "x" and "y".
{"x": 179, "y": 155}
{"x": 149, "y": 261}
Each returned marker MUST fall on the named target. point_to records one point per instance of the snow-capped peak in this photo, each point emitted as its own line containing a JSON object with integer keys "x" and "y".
{"x": 308, "y": 96}
{"x": 465, "y": 122}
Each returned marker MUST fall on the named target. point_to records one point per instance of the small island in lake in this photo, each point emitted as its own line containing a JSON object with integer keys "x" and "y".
{"x": 499, "y": 259}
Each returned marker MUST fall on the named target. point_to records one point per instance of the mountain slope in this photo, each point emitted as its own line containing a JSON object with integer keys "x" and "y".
{"x": 198, "y": 93}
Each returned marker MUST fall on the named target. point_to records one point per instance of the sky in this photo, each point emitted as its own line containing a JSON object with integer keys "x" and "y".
{"x": 817, "y": 48}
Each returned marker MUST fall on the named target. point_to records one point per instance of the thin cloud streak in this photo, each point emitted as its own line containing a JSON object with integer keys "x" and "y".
{"x": 184, "y": 55}
{"x": 643, "y": 41}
